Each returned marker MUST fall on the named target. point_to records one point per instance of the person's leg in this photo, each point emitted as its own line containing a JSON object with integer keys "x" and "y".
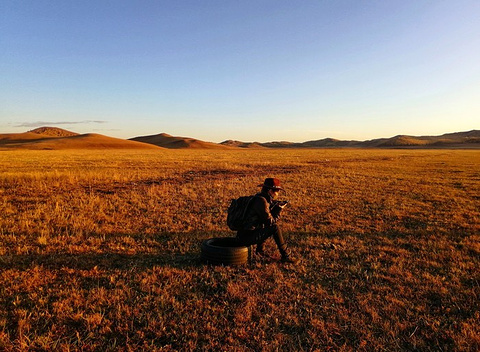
{"x": 258, "y": 237}
{"x": 276, "y": 232}
{"x": 251, "y": 237}
{"x": 260, "y": 250}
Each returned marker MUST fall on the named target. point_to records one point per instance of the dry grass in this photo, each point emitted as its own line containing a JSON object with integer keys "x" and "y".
{"x": 99, "y": 251}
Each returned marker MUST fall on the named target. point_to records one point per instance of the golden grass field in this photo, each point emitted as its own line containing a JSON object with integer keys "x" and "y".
{"x": 99, "y": 251}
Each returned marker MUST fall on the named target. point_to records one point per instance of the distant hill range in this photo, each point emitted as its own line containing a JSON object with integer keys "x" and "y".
{"x": 470, "y": 139}
{"x": 53, "y": 138}
{"x": 167, "y": 141}
{"x": 56, "y": 138}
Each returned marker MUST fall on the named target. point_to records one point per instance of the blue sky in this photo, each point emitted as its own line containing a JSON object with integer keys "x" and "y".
{"x": 245, "y": 70}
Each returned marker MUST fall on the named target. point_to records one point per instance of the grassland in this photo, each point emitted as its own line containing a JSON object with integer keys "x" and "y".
{"x": 99, "y": 251}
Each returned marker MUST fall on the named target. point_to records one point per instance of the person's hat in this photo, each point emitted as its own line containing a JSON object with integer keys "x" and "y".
{"x": 272, "y": 183}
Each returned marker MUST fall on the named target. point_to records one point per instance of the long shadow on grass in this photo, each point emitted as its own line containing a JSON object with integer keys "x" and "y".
{"x": 174, "y": 250}
{"x": 102, "y": 261}
{"x": 124, "y": 261}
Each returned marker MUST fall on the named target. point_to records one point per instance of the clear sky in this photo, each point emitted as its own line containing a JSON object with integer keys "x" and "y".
{"x": 247, "y": 70}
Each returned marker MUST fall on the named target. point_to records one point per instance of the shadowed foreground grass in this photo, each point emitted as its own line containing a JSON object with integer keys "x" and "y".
{"x": 100, "y": 251}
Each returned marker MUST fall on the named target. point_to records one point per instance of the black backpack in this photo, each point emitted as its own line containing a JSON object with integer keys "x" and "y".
{"x": 237, "y": 212}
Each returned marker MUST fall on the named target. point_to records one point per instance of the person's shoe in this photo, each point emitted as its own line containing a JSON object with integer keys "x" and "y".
{"x": 259, "y": 250}
{"x": 288, "y": 259}
{"x": 285, "y": 253}
{"x": 262, "y": 254}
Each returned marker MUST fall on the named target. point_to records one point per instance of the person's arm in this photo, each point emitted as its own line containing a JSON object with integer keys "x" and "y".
{"x": 276, "y": 207}
{"x": 262, "y": 209}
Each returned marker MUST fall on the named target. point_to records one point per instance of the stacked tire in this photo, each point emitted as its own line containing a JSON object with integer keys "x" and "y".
{"x": 224, "y": 251}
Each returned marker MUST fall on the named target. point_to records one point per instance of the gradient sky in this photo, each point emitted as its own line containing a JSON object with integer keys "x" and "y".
{"x": 246, "y": 70}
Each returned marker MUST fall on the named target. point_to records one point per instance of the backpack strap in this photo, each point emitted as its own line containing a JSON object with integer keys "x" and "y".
{"x": 247, "y": 206}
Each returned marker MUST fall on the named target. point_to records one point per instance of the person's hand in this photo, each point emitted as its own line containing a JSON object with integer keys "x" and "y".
{"x": 277, "y": 208}
{"x": 276, "y": 212}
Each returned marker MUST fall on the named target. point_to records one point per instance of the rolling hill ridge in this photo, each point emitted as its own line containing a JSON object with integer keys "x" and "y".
{"x": 52, "y": 138}
{"x": 470, "y": 139}
{"x": 167, "y": 141}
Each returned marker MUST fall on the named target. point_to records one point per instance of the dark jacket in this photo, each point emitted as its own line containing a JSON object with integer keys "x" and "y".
{"x": 259, "y": 214}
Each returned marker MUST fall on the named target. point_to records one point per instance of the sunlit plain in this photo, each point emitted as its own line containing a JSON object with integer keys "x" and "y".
{"x": 99, "y": 250}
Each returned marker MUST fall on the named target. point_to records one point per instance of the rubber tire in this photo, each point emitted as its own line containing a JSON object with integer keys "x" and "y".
{"x": 224, "y": 251}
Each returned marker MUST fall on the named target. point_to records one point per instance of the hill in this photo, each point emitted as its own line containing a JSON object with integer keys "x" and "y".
{"x": 466, "y": 140}
{"x": 238, "y": 144}
{"x": 258, "y": 145}
{"x": 400, "y": 141}
{"x": 167, "y": 141}
{"x": 57, "y": 138}
{"x": 87, "y": 141}
{"x": 469, "y": 139}
{"x": 53, "y": 132}
{"x": 13, "y": 139}
{"x": 328, "y": 143}
{"x": 48, "y": 138}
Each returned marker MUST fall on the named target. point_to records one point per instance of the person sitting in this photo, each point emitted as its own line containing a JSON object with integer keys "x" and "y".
{"x": 261, "y": 221}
